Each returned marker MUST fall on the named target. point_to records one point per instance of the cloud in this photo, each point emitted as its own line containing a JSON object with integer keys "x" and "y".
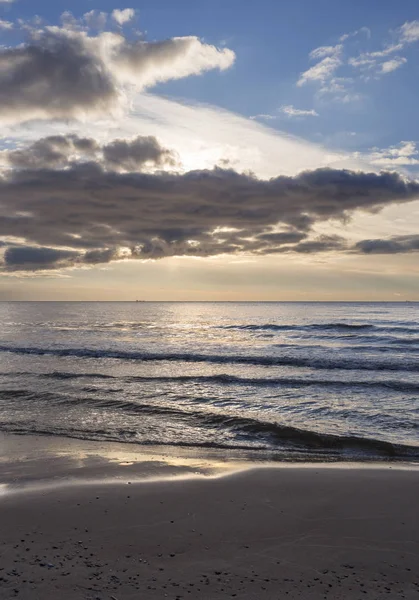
{"x": 391, "y": 65}
{"x": 316, "y": 245}
{"x": 51, "y": 152}
{"x": 409, "y": 32}
{"x": 133, "y": 154}
{"x": 41, "y": 258}
{"x": 5, "y": 25}
{"x": 201, "y": 135}
{"x": 371, "y": 59}
{"x": 375, "y": 61}
{"x": 333, "y": 62}
{"x": 123, "y": 16}
{"x": 321, "y": 71}
{"x": 394, "y": 245}
{"x": 54, "y": 75}
{"x": 288, "y": 110}
{"x": 60, "y": 151}
{"x": 363, "y": 30}
{"x": 323, "y": 243}
{"x": 282, "y": 237}
{"x": 264, "y": 116}
{"x": 291, "y": 111}
{"x": 403, "y": 154}
{"x": 323, "y": 51}
{"x": 339, "y": 89}
{"x": 95, "y": 19}
{"x": 64, "y": 72}
{"x": 34, "y": 258}
{"x": 101, "y": 214}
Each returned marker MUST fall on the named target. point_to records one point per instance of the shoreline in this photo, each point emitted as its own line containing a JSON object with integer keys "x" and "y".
{"x": 31, "y": 461}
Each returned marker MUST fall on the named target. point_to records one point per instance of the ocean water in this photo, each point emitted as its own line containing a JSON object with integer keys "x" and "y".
{"x": 290, "y": 381}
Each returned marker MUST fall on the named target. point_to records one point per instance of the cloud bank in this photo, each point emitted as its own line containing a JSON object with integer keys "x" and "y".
{"x": 67, "y": 201}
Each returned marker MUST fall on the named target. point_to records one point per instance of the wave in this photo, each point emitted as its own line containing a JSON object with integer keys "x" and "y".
{"x": 291, "y": 361}
{"x": 313, "y": 326}
{"x": 226, "y": 379}
{"x": 324, "y": 327}
{"x": 229, "y": 380}
{"x": 208, "y": 418}
{"x": 249, "y": 434}
{"x": 64, "y": 375}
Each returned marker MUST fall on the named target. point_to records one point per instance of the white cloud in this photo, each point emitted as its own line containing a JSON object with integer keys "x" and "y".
{"x": 325, "y": 51}
{"x": 404, "y": 154}
{"x": 370, "y": 60}
{"x": 375, "y": 61}
{"x": 322, "y": 71}
{"x": 409, "y": 32}
{"x": 291, "y": 111}
{"x": 339, "y": 89}
{"x": 170, "y": 59}
{"x": 364, "y": 30}
{"x": 264, "y": 116}
{"x": 123, "y": 16}
{"x": 5, "y": 25}
{"x": 95, "y": 19}
{"x": 393, "y": 64}
{"x": 403, "y": 149}
{"x": 371, "y": 65}
{"x": 386, "y": 51}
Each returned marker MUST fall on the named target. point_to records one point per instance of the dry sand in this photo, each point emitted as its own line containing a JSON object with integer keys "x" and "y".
{"x": 265, "y": 533}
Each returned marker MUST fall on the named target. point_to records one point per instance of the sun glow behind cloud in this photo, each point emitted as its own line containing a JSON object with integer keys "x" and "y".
{"x": 202, "y": 135}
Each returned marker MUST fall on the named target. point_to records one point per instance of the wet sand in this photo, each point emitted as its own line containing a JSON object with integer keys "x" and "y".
{"x": 263, "y": 533}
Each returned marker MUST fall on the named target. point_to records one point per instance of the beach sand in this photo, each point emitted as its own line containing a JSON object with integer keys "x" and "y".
{"x": 285, "y": 532}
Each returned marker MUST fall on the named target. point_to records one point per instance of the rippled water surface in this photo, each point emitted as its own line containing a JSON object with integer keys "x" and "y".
{"x": 297, "y": 380}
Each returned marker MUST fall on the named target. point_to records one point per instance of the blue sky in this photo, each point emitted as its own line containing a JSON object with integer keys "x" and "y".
{"x": 272, "y": 88}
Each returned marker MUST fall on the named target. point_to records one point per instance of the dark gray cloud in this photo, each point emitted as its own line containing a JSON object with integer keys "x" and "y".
{"x": 104, "y": 215}
{"x": 394, "y": 245}
{"x": 52, "y": 152}
{"x": 322, "y": 243}
{"x": 63, "y": 72}
{"x": 314, "y": 245}
{"x": 33, "y": 258}
{"x": 131, "y": 155}
{"x": 41, "y": 258}
{"x": 97, "y": 257}
{"x": 55, "y": 74}
{"x": 60, "y": 151}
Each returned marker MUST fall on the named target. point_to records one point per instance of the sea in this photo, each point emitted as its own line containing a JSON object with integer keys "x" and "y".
{"x": 291, "y": 381}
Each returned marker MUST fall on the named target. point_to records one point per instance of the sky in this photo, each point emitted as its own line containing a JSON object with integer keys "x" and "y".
{"x": 224, "y": 150}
